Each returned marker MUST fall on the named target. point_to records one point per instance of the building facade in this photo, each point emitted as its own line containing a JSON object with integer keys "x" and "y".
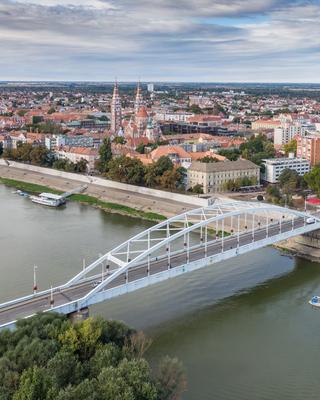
{"x": 308, "y": 147}
{"x": 275, "y": 166}
{"x": 214, "y": 176}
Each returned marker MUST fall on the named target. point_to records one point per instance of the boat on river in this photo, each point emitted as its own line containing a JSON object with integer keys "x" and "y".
{"x": 315, "y": 301}
{"x": 48, "y": 199}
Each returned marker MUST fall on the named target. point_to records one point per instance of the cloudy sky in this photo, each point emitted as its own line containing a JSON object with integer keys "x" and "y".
{"x": 168, "y": 40}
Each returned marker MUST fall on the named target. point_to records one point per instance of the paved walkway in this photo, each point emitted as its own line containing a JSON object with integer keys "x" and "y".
{"x": 147, "y": 203}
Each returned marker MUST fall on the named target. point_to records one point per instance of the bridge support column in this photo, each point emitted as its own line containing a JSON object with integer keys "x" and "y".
{"x": 80, "y": 315}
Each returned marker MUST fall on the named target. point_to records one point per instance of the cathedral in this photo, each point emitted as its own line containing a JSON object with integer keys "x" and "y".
{"x": 140, "y": 125}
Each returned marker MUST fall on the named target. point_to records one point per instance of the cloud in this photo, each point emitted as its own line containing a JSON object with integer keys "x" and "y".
{"x": 164, "y": 40}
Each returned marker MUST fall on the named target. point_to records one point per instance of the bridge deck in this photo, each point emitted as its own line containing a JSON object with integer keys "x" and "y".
{"x": 41, "y": 302}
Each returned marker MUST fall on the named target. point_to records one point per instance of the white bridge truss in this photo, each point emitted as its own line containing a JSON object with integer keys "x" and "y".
{"x": 183, "y": 243}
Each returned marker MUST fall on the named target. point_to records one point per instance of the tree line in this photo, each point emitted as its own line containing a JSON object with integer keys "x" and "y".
{"x": 49, "y": 358}
{"x": 41, "y": 156}
{"x": 162, "y": 173}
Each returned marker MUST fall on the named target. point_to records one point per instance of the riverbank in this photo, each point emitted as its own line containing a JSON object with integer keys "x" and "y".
{"x": 84, "y": 199}
{"x": 118, "y": 200}
{"x": 305, "y": 246}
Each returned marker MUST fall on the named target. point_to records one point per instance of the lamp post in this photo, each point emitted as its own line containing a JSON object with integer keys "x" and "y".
{"x": 35, "y": 286}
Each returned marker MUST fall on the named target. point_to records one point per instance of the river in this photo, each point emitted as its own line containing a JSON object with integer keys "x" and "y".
{"x": 242, "y": 328}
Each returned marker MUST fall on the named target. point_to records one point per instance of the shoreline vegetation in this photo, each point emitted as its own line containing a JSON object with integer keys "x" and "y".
{"x": 116, "y": 208}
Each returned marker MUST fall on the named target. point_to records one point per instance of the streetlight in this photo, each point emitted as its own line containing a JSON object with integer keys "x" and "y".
{"x": 35, "y": 287}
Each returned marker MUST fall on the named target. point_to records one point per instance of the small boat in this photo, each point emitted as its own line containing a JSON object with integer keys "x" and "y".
{"x": 21, "y": 193}
{"x": 48, "y": 199}
{"x": 315, "y": 301}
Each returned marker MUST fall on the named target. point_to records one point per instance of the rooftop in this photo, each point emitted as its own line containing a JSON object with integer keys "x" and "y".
{"x": 222, "y": 166}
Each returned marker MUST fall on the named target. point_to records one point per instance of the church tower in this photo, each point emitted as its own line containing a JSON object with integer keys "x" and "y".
{"x": 139, "y": 100}
{"x": 116, "y": 118}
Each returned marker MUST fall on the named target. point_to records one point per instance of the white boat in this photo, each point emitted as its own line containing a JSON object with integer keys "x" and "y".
{"x": 315, "y": 301}
{"x": 48, "y": 199}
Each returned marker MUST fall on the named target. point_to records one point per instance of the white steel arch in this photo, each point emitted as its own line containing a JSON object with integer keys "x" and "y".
{"x": 182, "y": 225}
{"x": 178, "y": 245}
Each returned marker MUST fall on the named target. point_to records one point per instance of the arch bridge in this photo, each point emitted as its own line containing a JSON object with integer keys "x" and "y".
{"x": 181, "y": 244}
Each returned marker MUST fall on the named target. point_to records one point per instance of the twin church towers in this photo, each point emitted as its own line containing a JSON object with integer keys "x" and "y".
{"x": 139, "y": 125}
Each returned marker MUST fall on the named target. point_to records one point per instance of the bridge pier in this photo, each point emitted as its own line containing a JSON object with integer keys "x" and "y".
{"x": 80, "y": 315}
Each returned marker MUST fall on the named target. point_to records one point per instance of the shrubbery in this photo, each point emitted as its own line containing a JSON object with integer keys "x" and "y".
{"x": 49, "y": 358}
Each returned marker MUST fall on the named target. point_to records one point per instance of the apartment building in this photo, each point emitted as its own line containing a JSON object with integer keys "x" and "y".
{"x": 308, "y": 147}
{"x": 213, "y": 176}
{"x": 275, "y": 166}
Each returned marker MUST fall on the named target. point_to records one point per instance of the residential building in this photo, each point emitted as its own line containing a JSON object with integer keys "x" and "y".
{"x": 275, "y": 166}
{"x": 75, "y": 154}
{"x": 308, "y": 147}
{"x": 265, "y": 124}
{"x": 214, "y": 176}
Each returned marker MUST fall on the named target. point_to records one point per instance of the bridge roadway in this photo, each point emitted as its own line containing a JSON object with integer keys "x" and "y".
{"x": 40, "y": 303}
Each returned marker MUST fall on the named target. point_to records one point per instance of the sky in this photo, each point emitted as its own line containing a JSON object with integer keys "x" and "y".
{"x": 160, "y": 40}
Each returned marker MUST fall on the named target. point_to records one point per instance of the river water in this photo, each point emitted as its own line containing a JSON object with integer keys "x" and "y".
{"x": 242, "y": 328}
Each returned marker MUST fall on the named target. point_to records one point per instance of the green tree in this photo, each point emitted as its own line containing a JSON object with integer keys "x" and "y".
{"x": 291, "y": 147}
{"x": 126, "y": 170}
{"x": 105, "y": 153}
{"x": 170, "y": 179}
{"x": 198, "y": 189}
{"x": 51, "y": 110}
{"x": 119, "y": 140}
{"x": 289, "y": 180}
{"x": 312, "y": 179}
{"x": 162, "y": 165}
{"x": 34, "y": 385}
{"x": 208, "y": 159}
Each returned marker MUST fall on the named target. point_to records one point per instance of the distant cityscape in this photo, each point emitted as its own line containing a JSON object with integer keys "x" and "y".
{"x": 218, "y": 137}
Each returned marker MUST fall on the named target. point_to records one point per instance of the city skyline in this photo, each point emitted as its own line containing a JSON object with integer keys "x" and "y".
{"x": 205, "y": 41}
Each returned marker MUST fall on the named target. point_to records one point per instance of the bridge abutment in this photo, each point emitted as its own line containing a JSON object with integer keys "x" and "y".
{"x": 80, "y": 315}
{"x": 306, "y": 246}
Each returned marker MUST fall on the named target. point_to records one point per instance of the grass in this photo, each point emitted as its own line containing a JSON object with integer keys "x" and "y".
{"x": 28, "y": 187}
{"x": 85, "y": 199}
{"x": 114, "y": 207}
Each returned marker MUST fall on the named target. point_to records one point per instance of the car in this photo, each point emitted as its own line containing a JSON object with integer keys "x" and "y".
{"x": 310, "y": 220}
{"x": 96, "y": 283}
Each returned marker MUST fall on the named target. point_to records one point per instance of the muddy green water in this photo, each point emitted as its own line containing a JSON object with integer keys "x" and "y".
{"x": 242, "y": 328}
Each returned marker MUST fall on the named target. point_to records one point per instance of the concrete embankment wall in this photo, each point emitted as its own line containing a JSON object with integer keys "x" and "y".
{"x": 306, "y": 246}
{"x": 177, "y": 197}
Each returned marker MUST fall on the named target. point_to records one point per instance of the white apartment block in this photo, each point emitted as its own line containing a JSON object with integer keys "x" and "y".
{"x": 175, "y": 117}
{"x": 275, "y": 166}
{"x": 287, "y": 131}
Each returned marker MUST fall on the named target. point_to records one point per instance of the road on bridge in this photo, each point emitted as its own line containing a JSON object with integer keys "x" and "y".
{"x": 41, "y": 302}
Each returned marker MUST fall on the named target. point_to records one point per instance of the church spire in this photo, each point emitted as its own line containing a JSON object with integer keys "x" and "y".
{"x": 116, "y": 117}
{"x": 139, "y": 99}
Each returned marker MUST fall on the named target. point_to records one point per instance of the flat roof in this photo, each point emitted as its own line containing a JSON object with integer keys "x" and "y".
{"x": 51, "y": 196}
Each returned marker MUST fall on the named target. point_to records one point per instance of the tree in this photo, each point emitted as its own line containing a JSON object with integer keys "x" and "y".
{"x": 291, "y": 147}
{"x": 163, "y": 164}
{"x": 198, "y": 189}
{"x": 231, "y": 155}
{"x": 51, "y": 110}
{"x": 289, "y": 180}
{"x": 312, "y": 179}
{"x": 256, "y": 149}
{"x": 126, "y": 169}
{"x": 34, "y": 385}
{"x": 170, "y": 179}
{"x": 208, "y": 159}
{"x": 105, "y": 153}
{"x": 49, "y": 358}
{"x": 172, "y": 379}
{"x": 119, "y": 140}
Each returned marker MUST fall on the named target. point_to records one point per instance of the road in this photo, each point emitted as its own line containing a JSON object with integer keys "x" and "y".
{"x": 41, "y": 302}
